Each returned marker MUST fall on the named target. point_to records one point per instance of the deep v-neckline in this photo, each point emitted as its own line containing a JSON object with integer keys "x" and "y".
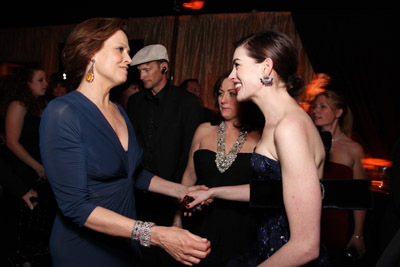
{"x": 124, "y": 126}
{"x": 109, "y": 124}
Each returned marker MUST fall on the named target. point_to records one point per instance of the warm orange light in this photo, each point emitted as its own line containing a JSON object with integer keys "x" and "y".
{"x": 377, "y": 183}
{"x": 371, "y": 163}
{"x": 305, "y": 106}
{"x": 194, "y": 4}
{"x": 316, "y": 86}
{"x": 377, "y": 170}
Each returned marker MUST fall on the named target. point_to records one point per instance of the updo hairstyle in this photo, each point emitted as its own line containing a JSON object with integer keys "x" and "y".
{"x": 280, "y": 48}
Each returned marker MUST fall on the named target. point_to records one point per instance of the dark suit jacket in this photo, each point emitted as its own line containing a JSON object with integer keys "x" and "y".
{"x": 175, "y": 115}
{"x": 177, "y": 118}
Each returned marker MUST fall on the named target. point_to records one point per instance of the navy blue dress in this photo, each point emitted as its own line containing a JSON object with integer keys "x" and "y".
{"x": 87, "y": 167}
{"x": 273, "y": 232}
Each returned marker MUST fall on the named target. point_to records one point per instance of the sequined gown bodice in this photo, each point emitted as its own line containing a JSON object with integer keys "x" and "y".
{"x": 273, "y": 232}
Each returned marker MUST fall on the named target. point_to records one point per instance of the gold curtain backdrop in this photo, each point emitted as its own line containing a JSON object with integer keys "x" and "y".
{"x": 202, "y": 47}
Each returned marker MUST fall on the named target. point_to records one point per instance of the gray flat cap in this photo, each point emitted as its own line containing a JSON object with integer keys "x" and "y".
{"x": 150, "y": 53}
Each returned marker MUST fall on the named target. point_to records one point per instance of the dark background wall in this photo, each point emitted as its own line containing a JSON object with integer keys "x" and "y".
{"x": 359, "y": 49}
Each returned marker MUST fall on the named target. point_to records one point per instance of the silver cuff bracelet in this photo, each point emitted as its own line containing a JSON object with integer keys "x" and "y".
{"x": 142, "y": 231}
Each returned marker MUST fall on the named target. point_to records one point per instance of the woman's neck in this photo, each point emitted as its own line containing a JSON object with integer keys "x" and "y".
{"x": 231, "y": 124}
{"x": 274, "y": 103}
{"x": 100, "y": 97}
{"x": 333, "y": 128}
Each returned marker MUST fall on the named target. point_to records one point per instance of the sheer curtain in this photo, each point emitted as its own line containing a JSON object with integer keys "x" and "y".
{"x": 200, "y": 46}
{"x": 33, "y": 45}
{"x": 204, "y": 43}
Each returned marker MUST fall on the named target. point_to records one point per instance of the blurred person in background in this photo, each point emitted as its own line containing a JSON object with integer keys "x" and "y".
{"x": 23, "y": 104}
{"x": 193, "y": 86}
{"x": 340, "y": 229}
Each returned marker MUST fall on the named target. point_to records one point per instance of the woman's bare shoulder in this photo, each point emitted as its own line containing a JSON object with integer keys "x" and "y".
{"x": 353, "y": 147}
{"x": 203, "y": 130}
{"x": 16, "y": 107}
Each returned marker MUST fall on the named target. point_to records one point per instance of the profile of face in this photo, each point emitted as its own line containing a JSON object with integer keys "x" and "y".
{"x": 194, "y": 88}
{"x": 38, "y": 84}
{"x": 229, "y": 106}
{"x": 246, "y": 74}
{"x": 322, "y": 112}
{"x": 112, "y": 60}
{"x": 151, "y": 74}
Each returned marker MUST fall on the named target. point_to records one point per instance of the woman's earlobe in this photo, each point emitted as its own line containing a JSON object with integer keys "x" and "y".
{"x": 339, "y": 113}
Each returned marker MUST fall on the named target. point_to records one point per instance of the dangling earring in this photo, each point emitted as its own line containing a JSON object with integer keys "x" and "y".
{"x": 90, "y": 73}
{"x": 266, "y": 80}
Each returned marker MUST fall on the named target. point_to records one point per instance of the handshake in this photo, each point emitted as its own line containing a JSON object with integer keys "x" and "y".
{"x": 195, "y": 200}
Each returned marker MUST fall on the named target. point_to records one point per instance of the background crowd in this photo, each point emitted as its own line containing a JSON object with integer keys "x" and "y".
{"x": 178, "y": 139}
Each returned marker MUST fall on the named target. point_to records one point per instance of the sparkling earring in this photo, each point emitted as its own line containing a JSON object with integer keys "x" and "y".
{"x": 266, "y": 80}
{"x": 90, "y": 73}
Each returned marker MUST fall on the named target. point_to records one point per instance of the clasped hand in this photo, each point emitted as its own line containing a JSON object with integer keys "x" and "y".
{"x": 195, "y": 200}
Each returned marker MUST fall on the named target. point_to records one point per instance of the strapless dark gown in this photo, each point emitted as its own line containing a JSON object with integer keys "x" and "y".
{"x": 274, "y": 230}
{"x": 335, "y": 223}
{"x": 231, "y": 226}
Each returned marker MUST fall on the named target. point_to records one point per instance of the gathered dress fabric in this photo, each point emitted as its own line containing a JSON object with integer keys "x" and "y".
{"x": 273, "y": 231}
{"x": 336, "y": 223}
{"x": 88, "y": 167}
{"x": 231, "y": 226}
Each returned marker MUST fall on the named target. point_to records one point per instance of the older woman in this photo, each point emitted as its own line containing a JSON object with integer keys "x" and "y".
{"x": 90, "y": 154}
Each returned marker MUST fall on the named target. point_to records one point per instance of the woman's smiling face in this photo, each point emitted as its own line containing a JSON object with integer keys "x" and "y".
{"x": 246, "y": 74}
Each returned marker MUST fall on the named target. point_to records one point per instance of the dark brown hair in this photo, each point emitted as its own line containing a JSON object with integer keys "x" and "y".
{"x": 280, "y": 48}
{"x": 250, "y": 116}
{"x": 17, "y": 88}
{"x": 84, "y": 41}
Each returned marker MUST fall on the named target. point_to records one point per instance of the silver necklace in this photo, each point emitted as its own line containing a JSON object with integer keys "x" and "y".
{"x": 338, "y": 138}
{"x": 224, "y": 161}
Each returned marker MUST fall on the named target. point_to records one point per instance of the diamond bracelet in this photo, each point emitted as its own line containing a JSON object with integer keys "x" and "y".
{"x": 142, "y": 231}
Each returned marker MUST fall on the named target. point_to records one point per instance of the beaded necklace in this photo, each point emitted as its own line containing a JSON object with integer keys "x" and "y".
{"x": 338, "y": 138}
{"x": 224, "y": 161}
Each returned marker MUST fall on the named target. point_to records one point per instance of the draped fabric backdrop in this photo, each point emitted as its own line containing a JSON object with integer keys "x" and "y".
{"x": 204, "y": 44}
{"x": 202, "y": 47}
{"x": 356, "y": 48}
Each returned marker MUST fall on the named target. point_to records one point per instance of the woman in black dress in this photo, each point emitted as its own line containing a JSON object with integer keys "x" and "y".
{"x": 32, "y": 205}
{"x": 220, "y": 156}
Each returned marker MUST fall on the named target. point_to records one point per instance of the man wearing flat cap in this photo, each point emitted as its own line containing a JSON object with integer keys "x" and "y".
{"x": 165, "y": 118}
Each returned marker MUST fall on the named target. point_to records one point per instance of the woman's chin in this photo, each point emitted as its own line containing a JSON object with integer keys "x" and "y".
{"x": 241, "y": 97}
